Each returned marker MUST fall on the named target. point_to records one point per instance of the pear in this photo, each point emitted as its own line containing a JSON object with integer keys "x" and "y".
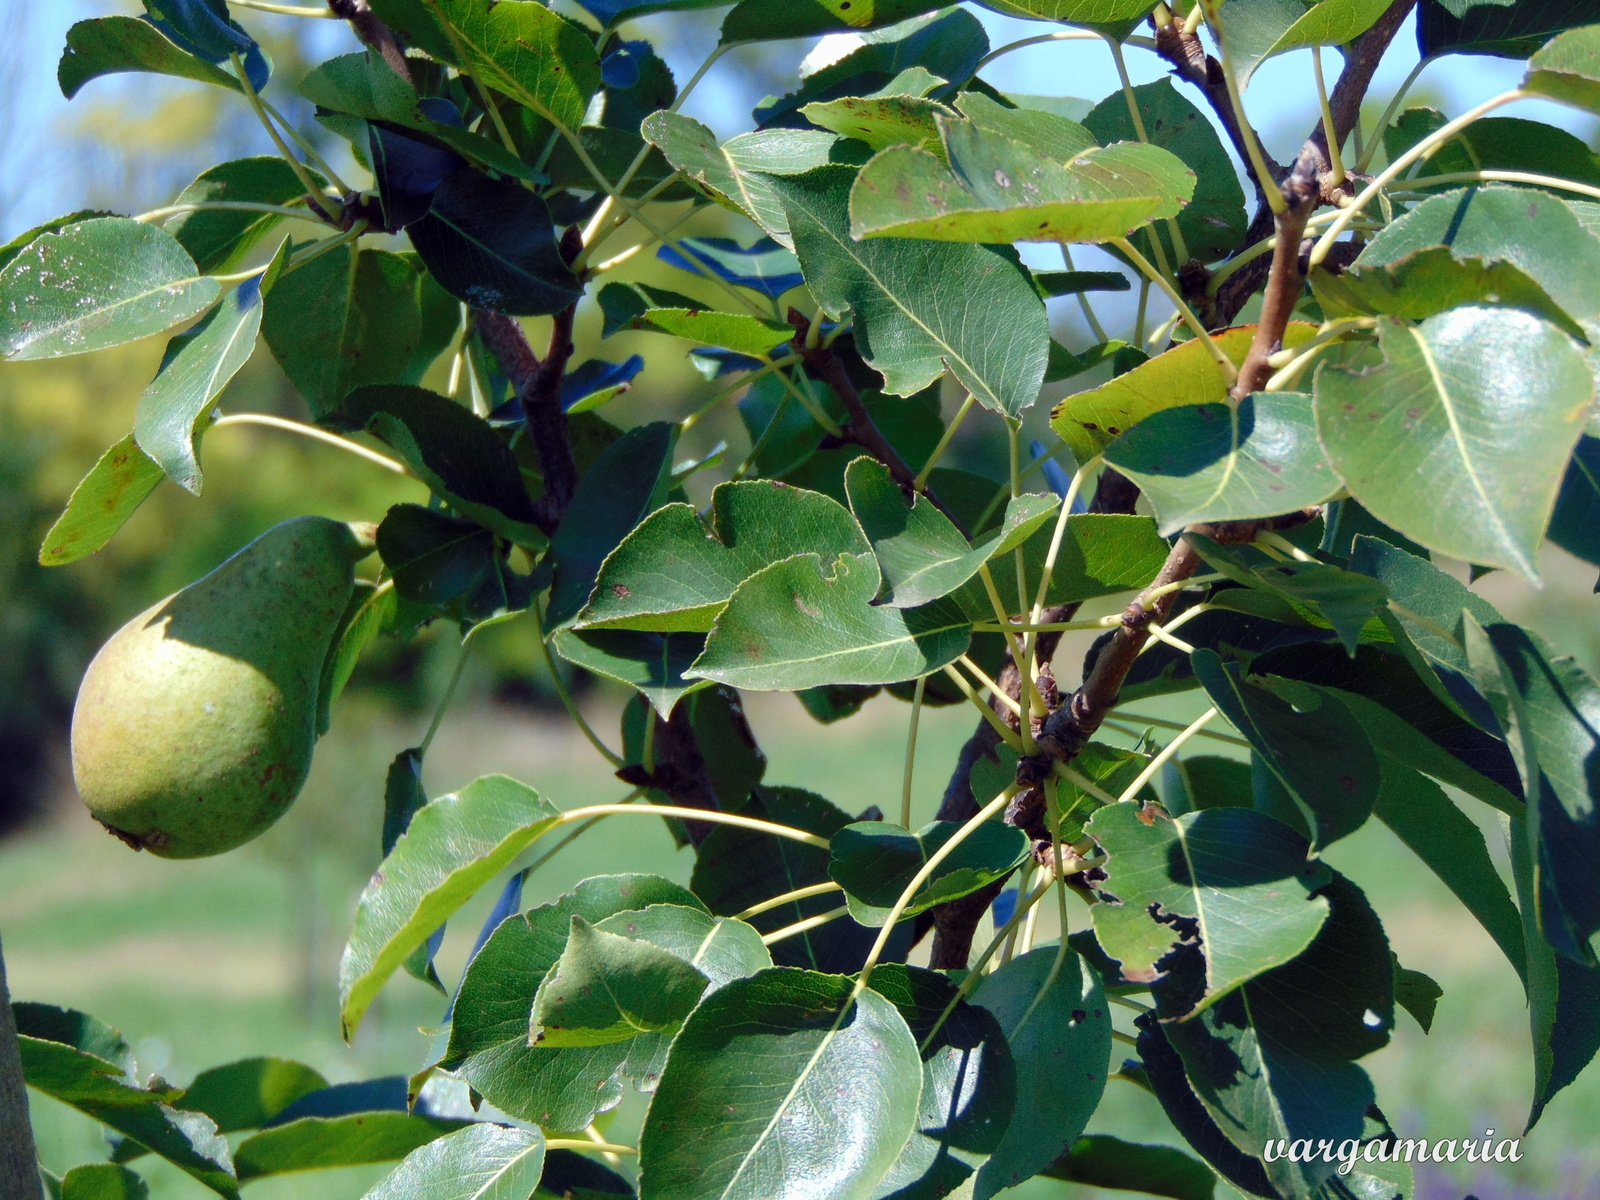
{"x": 194, "y": 724}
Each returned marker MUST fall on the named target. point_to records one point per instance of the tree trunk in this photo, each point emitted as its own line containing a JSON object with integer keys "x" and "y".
{"x": 19, "y": 1163}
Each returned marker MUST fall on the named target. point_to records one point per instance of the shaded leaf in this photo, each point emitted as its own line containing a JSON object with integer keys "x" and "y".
{"x": 1567, "y": 68}
{"x": 1056, "y": 1019}
{"x": 1307, "y": 738}
{"x": 492, "y": 244}
{"x": 1101, "y": 1160}
{"x": 249, "y": 1093}
{"x": 451, "y": 449}
{"x": 766, "y": 20}
{"x": 1213, "y": 222}
{"x": 371, "y": 611}
{"x": 907, "y": 324}
{"x": 1456, "y": 440}
{"x": 1575, "y": 523}
{"x": 219, "y": 239}
{"x": 628, "y": 481}
{"x": 780, "y": 1048}
{"x": 1509, "y": 30}
{"x": 653, "y": 664}
{"x": 874, "y": 862}
{"x": 969, "y": 1085}
{"x": 348, "y": 318}
{"x": 1101, "y": 554}
{"x": 1418, "y": 994}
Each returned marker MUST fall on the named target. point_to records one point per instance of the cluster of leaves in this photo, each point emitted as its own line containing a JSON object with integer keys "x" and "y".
{"x": 790, "y": 1049}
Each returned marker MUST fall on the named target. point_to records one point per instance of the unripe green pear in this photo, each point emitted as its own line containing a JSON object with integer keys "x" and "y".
{"x": 194, "y": 724}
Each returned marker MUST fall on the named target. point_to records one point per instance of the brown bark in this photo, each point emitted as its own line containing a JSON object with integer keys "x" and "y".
{"x": 19, "y": 1161}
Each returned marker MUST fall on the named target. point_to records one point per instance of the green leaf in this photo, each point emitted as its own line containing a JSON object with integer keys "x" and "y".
{"x": 536, "y": 57}
{"x": 55, "y": 225}
{"x": 720, "y": 948}
{"x": 1203, "y": 781}
{"x": 669, "y": 575}
{"x": 1241, "y": 882}
{"x": 249, "y": 1093}
{"x": 453, "y": 847}
{"x": 1567, "y": 68}
{"x": 1184, "y": 375}
{"x": 1256, "y": 30}
{"x": 218, "y": 240}
{"x": 1497, "y": 144}
{"x": 1548, "y": 708}
{"x": 448, "y": 564}
{"x": 1073, "y": 12}
{"x": 629, "y": 481}
{"x": 1307, "y": 738}
{"x": 101, "y": 503}
{"x": 630, "y": 306}
{"x": 920, "y": 553}
{"x": 77, "y": 1075}
{"x": 1067, "y": 283}
{"x": 1563, "y": 995}
{"x": 1512, "y": 31}
{"x": 559, "y": 1087}
{"x": 969, "y": 1084}
{"x": 197, "y": 366}
{"x": 1213, "y": 223}
{"x": 1418, "y": 994}
{"x": 767, "y": 20}
{"x": 321, "y": 1143}
{"x": 1458, "y": 247}
{"x": 776, "y": 1052}
{"x": 103, "y": 1181}
{"x": 347, "y": 318}
{"x": 735, "y": 173}
{"x": 111, "y": 45}
{"x": 656, "y": 665}
{"x": 97, "y": 284}
{"x": 364, "y": 85}
{"x": 886, "y": 118}
{"x": 1101, "y": 554}
{"x": 1227, "y": 462}
{"x": 609, "y": 988}
{"x": 1054, "y": 1013}
{"x": 875, "y": 861}
{"x": 908, "y": 324}
{"x": 451, "y": 449}
{"x": 480, "y": 1162}
{"x": 1459, "y": 438}
{"x": 999, "y": 188}
{"x": 794, "y": 626}
{"x": 1100, "y": 1160}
